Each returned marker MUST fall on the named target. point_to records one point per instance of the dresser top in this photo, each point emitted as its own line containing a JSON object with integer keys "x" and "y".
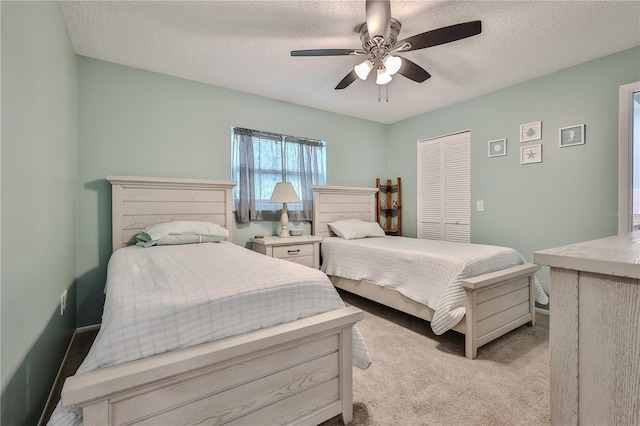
{"x": 618, "y": 255}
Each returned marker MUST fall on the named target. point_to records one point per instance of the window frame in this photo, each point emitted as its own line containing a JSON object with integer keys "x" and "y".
{"x": 258, "y": 208}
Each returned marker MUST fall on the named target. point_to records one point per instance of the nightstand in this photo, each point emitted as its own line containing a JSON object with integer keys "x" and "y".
{"x": 304, "y": 250}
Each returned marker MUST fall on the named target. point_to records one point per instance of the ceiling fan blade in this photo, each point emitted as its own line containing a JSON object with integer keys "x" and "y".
{"x": 379, "y": 18}
{"x": 350, "y": 78}
{"x": 325, "y": 52}
{"x": 413, "y": 71}
{"x": 443, "y": 35}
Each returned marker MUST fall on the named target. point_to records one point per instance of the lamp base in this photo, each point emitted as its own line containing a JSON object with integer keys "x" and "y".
{"x": 284, "y": 222}
{"x": 284, "y": 233}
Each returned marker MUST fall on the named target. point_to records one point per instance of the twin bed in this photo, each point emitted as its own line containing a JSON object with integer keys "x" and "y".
{"x": 478, "y": 290}
{"x": 267, "y": 341}
{"x": 209, "y": 333}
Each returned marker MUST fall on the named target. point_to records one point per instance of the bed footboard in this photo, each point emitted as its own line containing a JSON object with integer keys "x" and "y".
{"x": 497, "y": 303}
{"x": 294, "y": 373}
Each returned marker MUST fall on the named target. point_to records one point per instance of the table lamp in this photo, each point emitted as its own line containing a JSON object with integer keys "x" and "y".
{"x": 284, "y": 193}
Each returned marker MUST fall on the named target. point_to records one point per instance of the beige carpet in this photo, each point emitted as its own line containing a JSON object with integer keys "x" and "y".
{"x": 418, "y": 378}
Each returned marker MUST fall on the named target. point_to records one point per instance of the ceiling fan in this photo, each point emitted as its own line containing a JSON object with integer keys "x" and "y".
{"x": 379, "y": 36}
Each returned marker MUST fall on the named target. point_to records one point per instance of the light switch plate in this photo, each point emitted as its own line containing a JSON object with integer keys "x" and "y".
{"x": 480, "y": 205}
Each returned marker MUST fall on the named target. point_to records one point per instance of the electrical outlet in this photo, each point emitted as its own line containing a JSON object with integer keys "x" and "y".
{"x": 63, "y": 302}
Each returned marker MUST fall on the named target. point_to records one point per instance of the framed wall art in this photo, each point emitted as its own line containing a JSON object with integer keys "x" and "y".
{"x": 531, "y": 154}
{"x": 531, "y": 131}
{"x": 572, "y": 135}
{"x": 498, "y": 148}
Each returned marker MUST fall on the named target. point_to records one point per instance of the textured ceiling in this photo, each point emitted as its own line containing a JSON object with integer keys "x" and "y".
{"x": 245, "y": 46}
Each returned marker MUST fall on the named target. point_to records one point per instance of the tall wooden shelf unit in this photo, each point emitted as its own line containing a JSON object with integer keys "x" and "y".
{"x": 389, "y": 210}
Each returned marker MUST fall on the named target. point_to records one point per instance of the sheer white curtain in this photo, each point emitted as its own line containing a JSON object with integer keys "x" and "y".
{"x": 261, "y": 159}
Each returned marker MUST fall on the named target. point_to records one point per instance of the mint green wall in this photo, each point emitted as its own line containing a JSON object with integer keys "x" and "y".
{"x": 56, "y": 205}
{"x": 38, "y": 161}
{"x": 134, "y": 122}
{"x": 563, "y": 200}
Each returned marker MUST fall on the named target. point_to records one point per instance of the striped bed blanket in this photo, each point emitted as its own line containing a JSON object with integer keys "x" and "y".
{"x": 164, "y": 298}
{"x": 427, "y": 271}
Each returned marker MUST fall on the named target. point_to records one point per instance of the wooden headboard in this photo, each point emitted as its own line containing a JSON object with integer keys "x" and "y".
{"x": 139, "y": 202}
{"x": 341, "y": 202}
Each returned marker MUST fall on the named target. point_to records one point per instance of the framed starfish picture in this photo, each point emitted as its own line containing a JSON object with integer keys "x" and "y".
{"x": 531, "y": 154}
{"x": 531, "y": 131}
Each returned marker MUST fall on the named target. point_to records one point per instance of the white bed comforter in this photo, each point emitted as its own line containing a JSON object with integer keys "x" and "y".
{"x": 160, "y": 299}
{"x": 427, "y": 271}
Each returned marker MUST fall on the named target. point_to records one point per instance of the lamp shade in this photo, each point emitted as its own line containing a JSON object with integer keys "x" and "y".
{"x": 284, "y": 193}
{"x": 363, "y": 69}
{"x": 383, "y": 76}
{"x": 392, "y": 64}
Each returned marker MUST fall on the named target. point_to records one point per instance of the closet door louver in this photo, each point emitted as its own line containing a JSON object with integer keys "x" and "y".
{"x": 444, "y": 188}
{"x": 430, "y": 203}
{"x": 456, "y": 194}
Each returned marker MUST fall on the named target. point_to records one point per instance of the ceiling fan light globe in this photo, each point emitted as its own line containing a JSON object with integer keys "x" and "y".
{"x": 383, "y": 76}
{"x": 363, "y": 69}
{"x": 392, "y": 64}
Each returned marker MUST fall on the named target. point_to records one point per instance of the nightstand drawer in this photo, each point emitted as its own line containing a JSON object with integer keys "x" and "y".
{"x": 293, "y": 251}
{"x": 302, "y": 260}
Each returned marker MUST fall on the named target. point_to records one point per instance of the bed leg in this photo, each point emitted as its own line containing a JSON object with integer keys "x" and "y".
{"x": 532, "y": 298}
{"x": 346, "y": 372}
{"x": 470, "y": 343}
{"x": 470, "y": 350}
{"x": 347, "y": 418}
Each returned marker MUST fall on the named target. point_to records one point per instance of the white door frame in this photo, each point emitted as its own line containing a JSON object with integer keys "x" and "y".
{"x": 625, "y": 158}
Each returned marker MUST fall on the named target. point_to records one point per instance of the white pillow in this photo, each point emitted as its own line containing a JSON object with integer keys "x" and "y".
{"x": 351, "y": 229}
{"x": 181, "y": 232}
{"x": 174, "y": 239}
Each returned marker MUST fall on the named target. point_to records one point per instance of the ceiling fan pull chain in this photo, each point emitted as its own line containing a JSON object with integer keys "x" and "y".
{"x": 378, "y": 92}
{"x": 386, "y": 86}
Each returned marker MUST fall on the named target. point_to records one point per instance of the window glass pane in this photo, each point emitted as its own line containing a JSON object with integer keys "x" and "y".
{"x": 268, "y": 165}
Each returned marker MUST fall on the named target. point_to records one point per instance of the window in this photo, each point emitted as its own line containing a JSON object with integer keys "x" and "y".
{"x": 261, "y": 159}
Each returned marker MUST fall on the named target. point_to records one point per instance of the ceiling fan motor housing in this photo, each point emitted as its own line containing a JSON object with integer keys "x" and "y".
{"x": 369, "y": 44}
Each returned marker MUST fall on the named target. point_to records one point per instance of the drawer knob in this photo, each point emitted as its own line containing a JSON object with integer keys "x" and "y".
{"x": 293, "y": 251}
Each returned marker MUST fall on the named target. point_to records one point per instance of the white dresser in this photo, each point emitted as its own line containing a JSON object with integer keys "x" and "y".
{"x": 594, "y": 334}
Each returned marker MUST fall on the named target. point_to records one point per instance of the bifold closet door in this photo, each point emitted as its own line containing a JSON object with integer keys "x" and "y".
{"x": 444, "y": 195}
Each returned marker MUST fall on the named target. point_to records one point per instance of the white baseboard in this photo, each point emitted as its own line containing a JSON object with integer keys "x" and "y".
{"x": 57, "y": 380}
{"x": 87, "y": 328}
{"x": 541, "y": 311}
{"x": 64, "y": 362}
